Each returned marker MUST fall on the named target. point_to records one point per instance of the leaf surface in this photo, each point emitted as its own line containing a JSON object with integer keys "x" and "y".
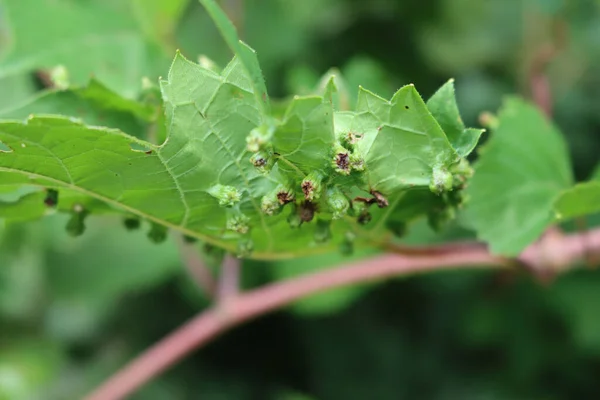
{"x": 519, "y": 174}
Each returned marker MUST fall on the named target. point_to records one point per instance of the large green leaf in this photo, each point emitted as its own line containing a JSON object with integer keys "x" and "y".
{"x": 518, "y": 176}
{"x": 201, "y": 180}
{"x": 101, "y": 38}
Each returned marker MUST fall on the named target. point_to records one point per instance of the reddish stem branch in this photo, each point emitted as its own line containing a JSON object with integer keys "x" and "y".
{"x": 555, "y": 252}
{"x": 197, "y": 268}
{"x": 229, "y": 281}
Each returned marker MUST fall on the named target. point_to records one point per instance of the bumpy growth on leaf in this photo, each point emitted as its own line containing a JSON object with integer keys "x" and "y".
{"x": 238, "y": 177}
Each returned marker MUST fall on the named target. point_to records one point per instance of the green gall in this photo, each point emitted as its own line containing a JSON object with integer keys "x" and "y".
{"x": 441, "y": 181}
{"x": 364, "y": 217}
{"x": 357, "y": 163}
{"x": 347, "y": 245}
{"x": 259, "y": 137}
{"x": 51, "y": 199}
{"x": 76, "y": 224}
{"x": 322, "y": 231}
{"x": 312, "y": 186}
{"x": 238, "y": 223}
{"x": 341, "y": 160}
{"x": 157, "y": 233}
{"x": 59, "y": 76}
{"x": 307, "y": 211}
{"x": 244, "y": 248}
{"x": 438, "y": 219}
{"x": 262, "y": 161}
{"x": 294, "y": 219}
{"x": 131, "y": 223}
{"x": 461, "y": 173}
{"x": 227, "y": 195}
{"x": 189, "y": 239}
{"x": 271, "y": 203}
{"x": 337, "y": 202}
{"x": 350, "y": 139}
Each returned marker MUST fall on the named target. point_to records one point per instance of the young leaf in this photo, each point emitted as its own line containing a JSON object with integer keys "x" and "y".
{"x": 246, "y": 55}
{"x": 445, "y": 110}
{"x": 520, "y": 172}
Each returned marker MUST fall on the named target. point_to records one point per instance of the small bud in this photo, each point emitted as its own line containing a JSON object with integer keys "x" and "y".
{"x": 357, "y": 163}
{"x": 60, "y": 77}
{"x": 51, "y": 199}
{"x": 271, "y": 203}
{"x": 437, "y": 219}
{"x": 322, "y": 231}
{"x": 76, "y": 224}
{"x": 157, "y": 233}
{"x": 461, "y": 172}
{"x": 306, "y": 211}
{"x": 441, "y": 181}
{"x": 189, "y": 239}
{"x": 238, "y": 223}
{"x": 131, "y": 223}
{"x": 347, "y": 245}
{"x": 262, "y": 161}
{"x": 294, "y": 219}
{"x": 341, "y": 162}
{"x": 364, "y": 217}
{"x": 244, "y": 248}
{"x": 349, "y": 139}
{"x": 259, "y": 137}
{"x": 311, "y": 186}
{"x": 337, "y": 202}
{"x": 227, "y": 195}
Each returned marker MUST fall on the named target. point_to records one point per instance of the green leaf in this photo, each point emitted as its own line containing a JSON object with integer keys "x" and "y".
{"x": 518, "y": 176}
{"x": 159, "y": 18}
{"x": 246, "y": 55}
{"x": 202, "y": 182}
{"x": 93, "y": 37}
{"x": 310, "y": 150}
{"x": 445, "y": 110}
{"x": 580, "y": 200}
{"x": 401, "y": 141}
{"x": 94, "y": 104}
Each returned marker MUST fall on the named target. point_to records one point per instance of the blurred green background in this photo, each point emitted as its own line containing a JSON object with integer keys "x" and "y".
{"x": 73, "y": 310}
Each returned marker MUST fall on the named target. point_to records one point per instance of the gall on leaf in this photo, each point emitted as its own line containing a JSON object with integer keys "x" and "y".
{"x": 157, "y": 233}
{"x": 51, "y": 199}
{"x": 307, "y": 211}
{"x": 312, "y": 186}
{"x": 238, "y": 222}
{"x": 227, "y": 196}
{"x": 441, "y": 181}
{"x": 262, "y": 161}
{"x": 132, "y": 223}
{"x": 76, "y": 224}
{"x": 322, "y": 231}
{"x": 272, "y": 202}
{"x": 337, "y": 202}
{"x": 244, "y": 248}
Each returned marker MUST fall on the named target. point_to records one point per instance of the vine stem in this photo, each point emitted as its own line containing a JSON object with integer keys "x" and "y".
{"x": 553, "y": 252}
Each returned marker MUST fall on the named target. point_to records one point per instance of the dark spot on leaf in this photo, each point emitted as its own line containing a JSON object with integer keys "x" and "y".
{"x": 379, "y": 128}
{"x": 342, "y": 160}
{"x": 189, "y": 239}
{"x": 148, "y": 152}
{"x": 285, "y": 197}
{"x": 51, "y": 199}
{"x": 306, "y": 211}
{"x": 406, "y": 107}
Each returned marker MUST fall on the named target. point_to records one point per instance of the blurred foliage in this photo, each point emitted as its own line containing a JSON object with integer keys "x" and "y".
{"x": 72, "y": 310}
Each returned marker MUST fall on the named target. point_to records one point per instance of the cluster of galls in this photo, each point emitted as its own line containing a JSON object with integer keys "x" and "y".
{"x": 449, "y": 185}
{"x": 76, "y": 224}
